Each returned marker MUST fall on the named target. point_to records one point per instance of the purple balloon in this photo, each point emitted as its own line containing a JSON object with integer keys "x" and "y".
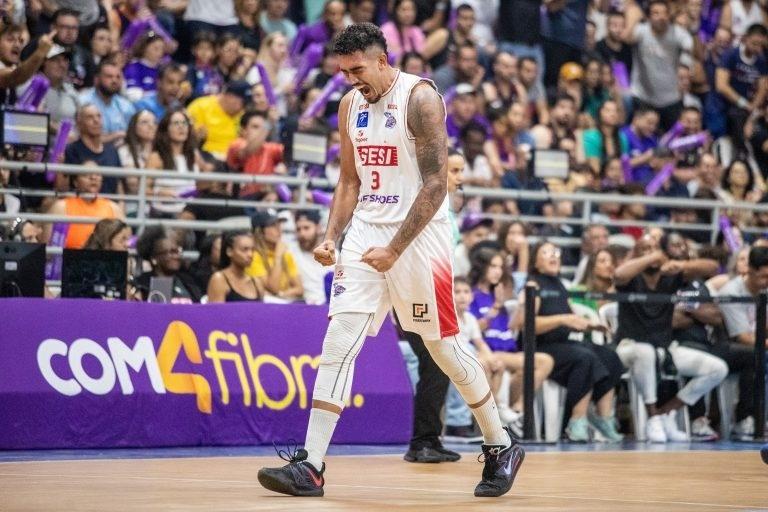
{"x": 672, "y": 134}
{"x": 135, "y": 30}
{"x": 626, "y": 167}
{"x": 58, "y": 147}
{"x": 690, "y": 142}
{"x": 58, "y": 239}
{"x": 333, "y": 152}
{"x": 727, "y": 228}
{"x": 330, "y": 88}
{"x": 659, "y": 180}
{"x": 310, "y": 59}
{"x": 33, "y": 95}
{"x": 621, "y": 74}
{"x": 268, "y": 91}
{"x": 284, "y": 192}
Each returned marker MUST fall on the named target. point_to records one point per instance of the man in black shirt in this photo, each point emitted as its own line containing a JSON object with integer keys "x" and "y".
{"x": 612, "y": 48}
{"x": 645, "y": 334}
{"x": 90, "y": 147}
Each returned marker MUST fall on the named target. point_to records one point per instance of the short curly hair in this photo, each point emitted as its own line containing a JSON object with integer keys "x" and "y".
{"x": 358, "y": 38}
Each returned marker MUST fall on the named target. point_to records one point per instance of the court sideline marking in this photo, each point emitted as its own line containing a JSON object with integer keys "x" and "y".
{"x": 415, "y": 489}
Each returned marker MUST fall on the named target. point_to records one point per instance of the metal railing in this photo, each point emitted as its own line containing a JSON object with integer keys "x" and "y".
{"x": 586, "y": 200}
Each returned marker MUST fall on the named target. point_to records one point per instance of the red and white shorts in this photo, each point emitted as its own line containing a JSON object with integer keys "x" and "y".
{"x": 419, "y": 285}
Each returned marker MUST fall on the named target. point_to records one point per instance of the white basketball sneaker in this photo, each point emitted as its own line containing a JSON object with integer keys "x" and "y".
{"x": 654, "y": 430}
{"x": 674, "y": 434}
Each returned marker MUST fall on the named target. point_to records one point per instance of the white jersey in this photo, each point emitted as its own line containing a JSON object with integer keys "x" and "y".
{"x": 385, "y": 154}
{"x": 743, "y": 18}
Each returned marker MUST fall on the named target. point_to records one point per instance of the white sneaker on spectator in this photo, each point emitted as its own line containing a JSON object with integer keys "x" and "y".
{"x": 507, "y": 414}
{"x": 674, "y": 434}
{"x": 515, "y": 422}
{"x": 654, "y": 430}
{"x": 744, "y": 430}
{"x": 701, "y": 430}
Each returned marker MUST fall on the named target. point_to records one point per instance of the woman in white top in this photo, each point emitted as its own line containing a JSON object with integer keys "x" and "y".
{"x": 273, "y": 55}
{"x": 738, "y": 15}
{"x": 134, "y": 154}
{"x": 175, "y": 149}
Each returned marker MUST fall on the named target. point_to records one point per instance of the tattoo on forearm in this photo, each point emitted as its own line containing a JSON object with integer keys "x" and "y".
{"x": 426, "y": 120}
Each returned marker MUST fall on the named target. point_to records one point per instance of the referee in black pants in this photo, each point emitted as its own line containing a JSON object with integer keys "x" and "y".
{"x": 425, "y": 445}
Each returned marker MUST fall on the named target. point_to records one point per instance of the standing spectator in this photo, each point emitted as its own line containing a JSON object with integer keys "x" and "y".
{"x": 273, "y": 263}
{"x": 563, "y": 27}
{"x": 517, "y": 33}
{"x": 273, "y": 19}
{"x": 659, "y": 47}
{"x": 308, "y": 236}
{"x": 612, "y": 48}
{"x": 163, "y": 253}
{"x": 740, "y": 324}
{"x": 217, "y": 117}
{"x": 174, "y": 149}
{"x": 92, "y": 147}
{"x": 739, "y": 15}
{"x": 169, "y": 79}
{"x": 401, "y": 32}
{"x": 606, "y": 141}
{"x": 231, "y": 283}
{"x": 641, "y": 137}
{"x": 645, "y": 328}
{"x": 13, "y": 71}
{"x": 115, "y": 109}
{"x": 252, "y": 154}
{"x": 141, "y": 73}
{"x": 248, "y": 29}
{"x": 89, "y": 205}
{"x": 742, "y": 80}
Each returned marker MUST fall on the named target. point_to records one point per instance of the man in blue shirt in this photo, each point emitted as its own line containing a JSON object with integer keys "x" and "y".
{"x": 741, "y": 80}
{"x": 116, "y": 111}
{"x": 169, "y": 79}
{"x": 564, "y": 28}
{"x": 641, "y": 135}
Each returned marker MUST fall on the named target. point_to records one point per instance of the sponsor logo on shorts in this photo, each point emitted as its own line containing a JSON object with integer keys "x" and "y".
{"x": 419, "y": 312}
{"x": 391, "y": 120}
{"x": 362, "y": 120}
{"x": 383, "y": 156}
{"x": 375, "y": 198}
{"x": 338, "y": 290}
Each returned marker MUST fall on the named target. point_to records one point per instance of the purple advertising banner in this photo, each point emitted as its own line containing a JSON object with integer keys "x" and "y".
{"x": 98, "y": 374}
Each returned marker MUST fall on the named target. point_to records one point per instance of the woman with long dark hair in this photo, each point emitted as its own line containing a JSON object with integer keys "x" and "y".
{"x": 175, "y": 149}
{"x": 139, "y": 139}
{"x": 164, "y": 255}
{"x": 231, "y": 283}
{"x": 589, "y": 372}
{"x": 606, "y": 140}
{"x": 401, "y": 32}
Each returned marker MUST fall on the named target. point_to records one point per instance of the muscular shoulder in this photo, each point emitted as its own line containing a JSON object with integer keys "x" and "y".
{"x": 426, "y": 111}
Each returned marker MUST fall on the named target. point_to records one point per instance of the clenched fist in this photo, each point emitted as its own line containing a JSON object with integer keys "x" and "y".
{"x": 325, "y": 253}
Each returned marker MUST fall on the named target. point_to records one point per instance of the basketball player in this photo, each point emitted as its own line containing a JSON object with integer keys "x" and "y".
{"x": 397, "y": 252}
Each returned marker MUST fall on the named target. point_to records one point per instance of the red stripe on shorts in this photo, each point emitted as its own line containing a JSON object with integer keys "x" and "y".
{"x": 442, "y": 275}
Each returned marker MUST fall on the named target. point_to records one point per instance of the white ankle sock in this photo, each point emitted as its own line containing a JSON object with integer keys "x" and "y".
{"x": 487, "y": 417}
{"x": 322, "y": 423}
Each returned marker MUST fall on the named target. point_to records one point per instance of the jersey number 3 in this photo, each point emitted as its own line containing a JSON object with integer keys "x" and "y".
{"x": 376, "y": 180}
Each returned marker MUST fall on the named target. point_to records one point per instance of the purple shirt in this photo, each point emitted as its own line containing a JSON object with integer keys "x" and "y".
{"x": 637, "y": 146}
{"x": 454, "y": 130}
{"x": 138, "y": 74}
{"x": 497, "y": 335}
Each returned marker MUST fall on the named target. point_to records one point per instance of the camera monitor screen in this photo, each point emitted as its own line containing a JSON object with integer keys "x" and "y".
{"x": 25, "y": 129}
{"x": 550, "y": 164}
{"x": 309, "y": 148}
{"x": 94, "y": 274}
{"x": 22, "y": 269}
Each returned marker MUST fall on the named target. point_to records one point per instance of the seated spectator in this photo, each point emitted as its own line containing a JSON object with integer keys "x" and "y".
{"x": 231, "y": 283}
{"x": 274, "y": 19}
{"x": 516, "y": 251}
{"x": 203, "y": 78}
{"x": 227, "y": 59}
{"x": 324, "y": 30}
{"x": 14, "y": 71}
{"x": 248, "y": 29}
{"x": 273, "y": 55}
{"x": 487, "y": 302}
{"x": 141, "y": 73}
{"x": 414, "y": 64}
{"x": 474, "y": 229}
{"x": 109, "y": 235}
{"x": 606, "y": 140}
{"x": 208, "y": 262}
{"x": 100, "y": 47}
{"x": 61, "y": 100}
{"x": 595, "y": 94}
{"x": 91, "y": 146}
{"x": 645, "y": 329}
{"x": 589, "y": 372}
{"x": 174, "y": 149}
{"x": 708, "y": 177}
{"x": 139, "y": 139}
{"x": 528, "y": 73}
{"x": 593, "y": 239}
{"x": 401, "y": 32}
{"x": 116, "y": 110}
{"x": 65, "y": 30}
{"x": 252, "y": 154}
{"x": 740, "y": 325}
{"x": 360, "y": 11}
{"x": 168, "y": 92}
{"x": 313, "y": 274}
{"x": 478, "y": 171}
{"x": 739, "y": 15}
{"x": 22, "y": 230}
{"x": 462, "y": 67}
{"x": 690, "y": 100}
{"x": 562, "y": 124}
{"x": 9, "y": 203}
{"x": 89, "y": 205}
{"x": 217, "y": 117}
{"x": 738, "y": 184}
{"x": 441, "y": 41}
{"x": 164, "y": 255}
{"x": 598, "y": 278}
{"x": 641, "y": 138}
{"x": 273, "y": 263}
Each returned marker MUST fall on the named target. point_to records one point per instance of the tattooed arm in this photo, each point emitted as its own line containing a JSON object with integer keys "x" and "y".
{"x": 346, "y": 193}
{"x": 426, "y": 120}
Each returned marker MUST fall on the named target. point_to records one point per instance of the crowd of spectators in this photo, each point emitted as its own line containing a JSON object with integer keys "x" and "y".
{"x": 657, "y": 98}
